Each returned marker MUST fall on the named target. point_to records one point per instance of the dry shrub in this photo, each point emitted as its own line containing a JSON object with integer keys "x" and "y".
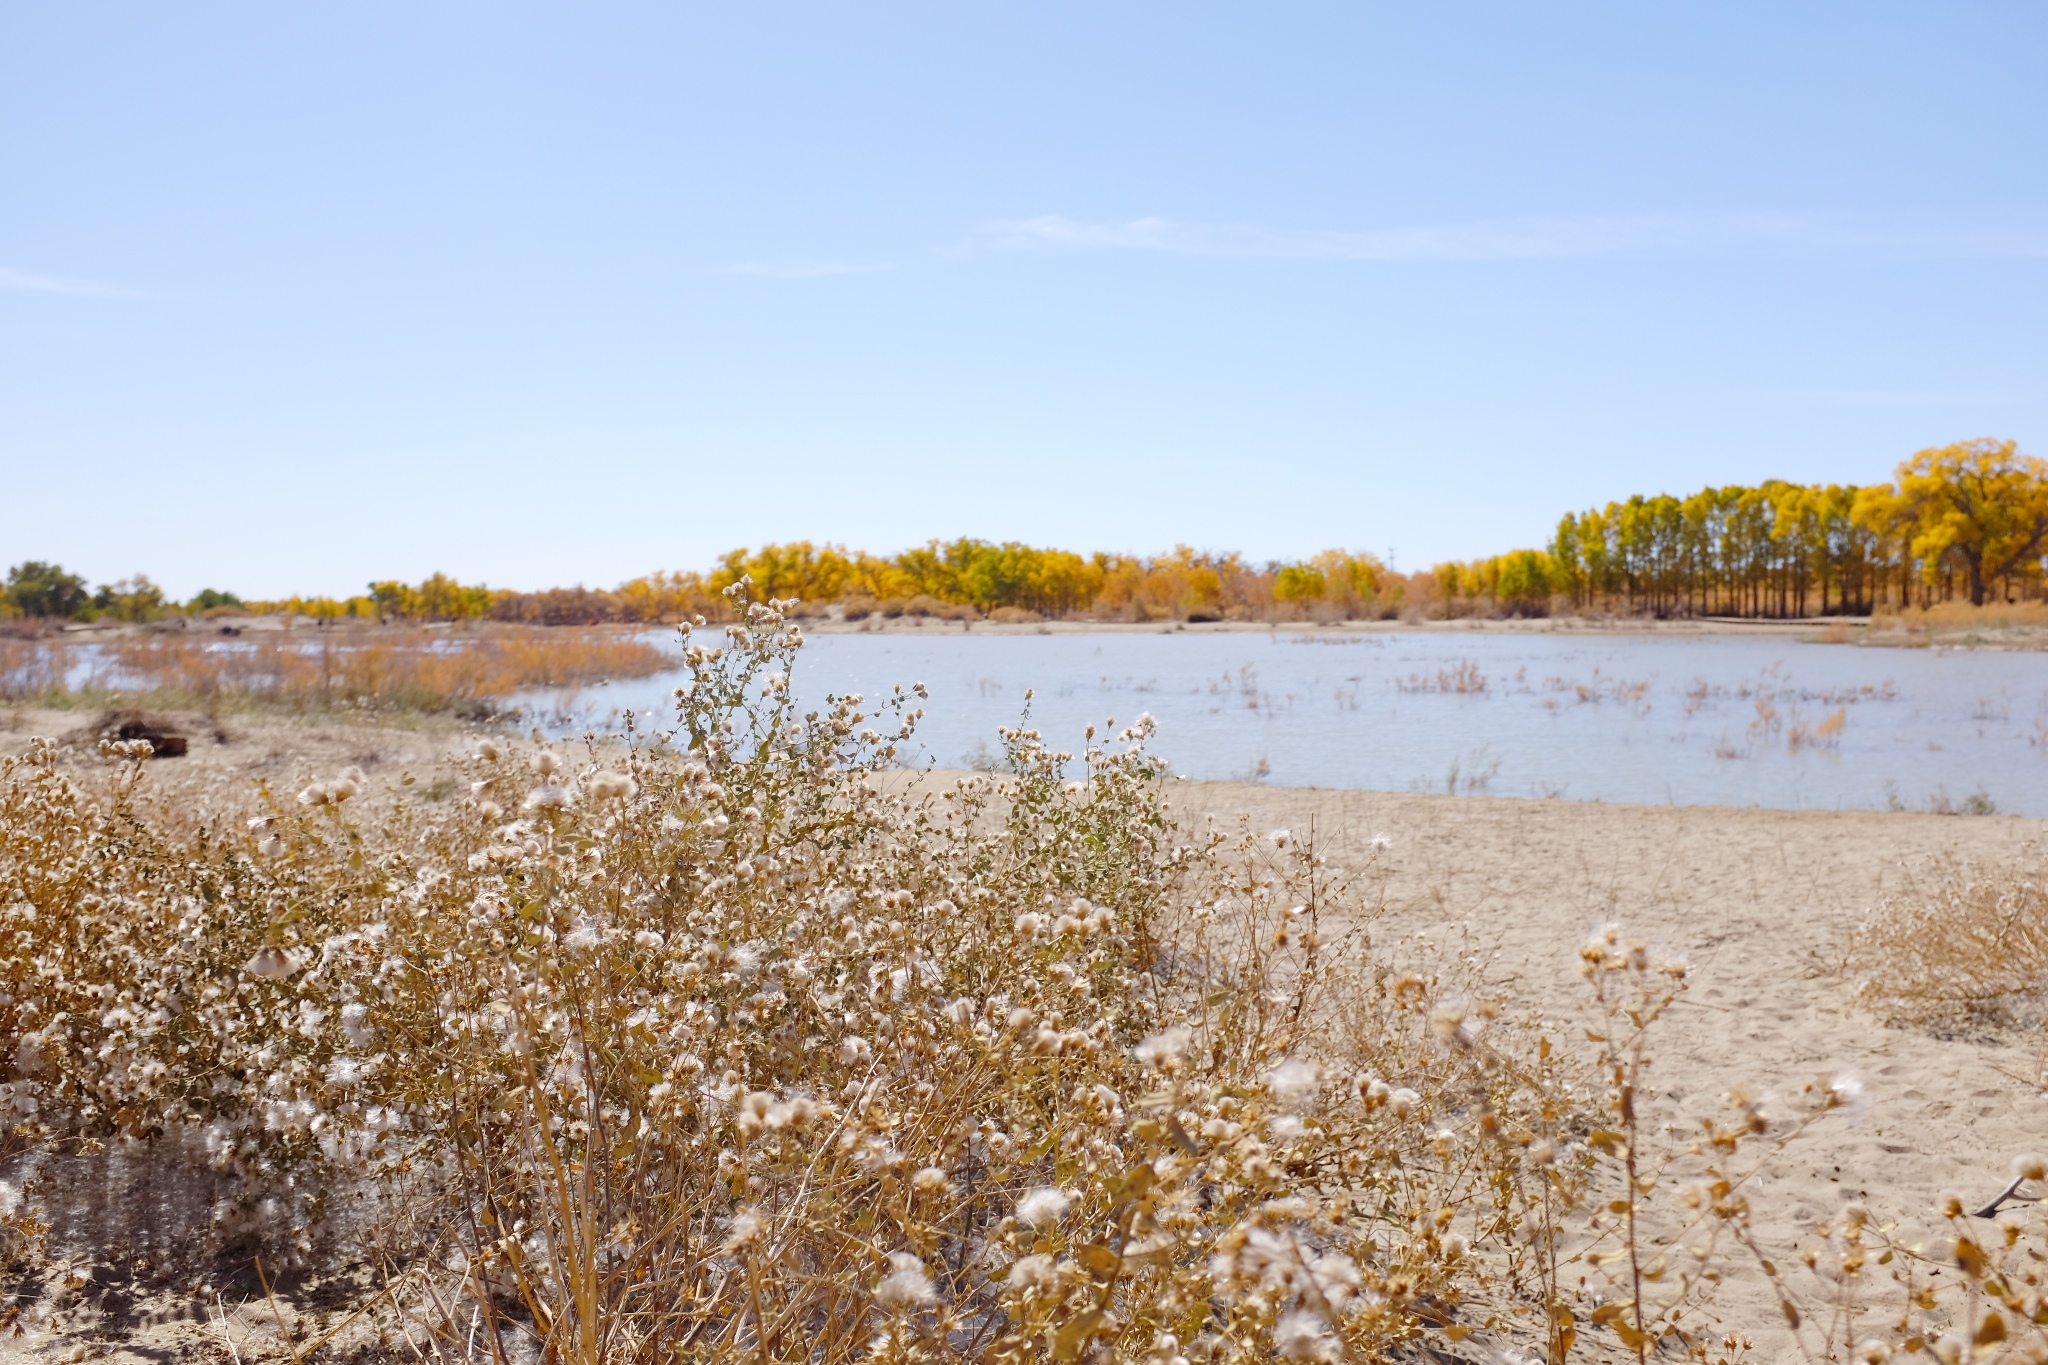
{"x": 410, "y": 670}
{"x": 1957, "y": 944}
{"x": 925, "y": 605}
{"x": 714, "y": 1048}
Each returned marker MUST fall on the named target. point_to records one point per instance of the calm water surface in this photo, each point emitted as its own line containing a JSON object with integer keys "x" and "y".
{"x": 1725, "y": 720}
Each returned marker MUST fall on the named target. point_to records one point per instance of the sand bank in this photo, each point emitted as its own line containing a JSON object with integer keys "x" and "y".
{"x": 1760, "y": 904}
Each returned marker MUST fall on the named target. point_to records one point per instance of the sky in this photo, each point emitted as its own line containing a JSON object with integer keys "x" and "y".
{"x": 297, "y": 296}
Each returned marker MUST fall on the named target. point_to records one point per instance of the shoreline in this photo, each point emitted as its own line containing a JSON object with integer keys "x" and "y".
{"x": 93, "y": 632}
{"x": 309, "y": 737}
{"x": 1886, "y": 632}
{"x": 2020, "y": 826}
{"x": 1544, "y": 625}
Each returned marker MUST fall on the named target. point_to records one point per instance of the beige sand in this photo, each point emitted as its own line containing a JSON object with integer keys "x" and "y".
{"x": 1760, "y": 903}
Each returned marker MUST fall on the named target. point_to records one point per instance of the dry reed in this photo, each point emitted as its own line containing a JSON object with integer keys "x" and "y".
{"x": 397, "y": 670}
{"x": 1960, "y": 616}
{"x": 1463, "y": 680}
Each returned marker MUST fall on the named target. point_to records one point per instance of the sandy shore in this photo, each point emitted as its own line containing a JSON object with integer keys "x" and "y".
{"x": 831, "y": 623}
{"x": 1557, "y": 625}
{"x": 1760, "y": 903}
{"x": 1886, "y": 632}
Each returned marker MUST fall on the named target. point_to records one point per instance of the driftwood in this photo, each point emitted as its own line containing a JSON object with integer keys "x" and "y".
{"x": 163, "y": 739}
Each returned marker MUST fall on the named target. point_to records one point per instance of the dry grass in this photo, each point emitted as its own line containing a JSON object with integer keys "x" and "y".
{"x": 1957, "y": 945}
{"x": 1963, "y": 616}
{"x": 712, "y": 1048}
{"x": 398, "y": 670}
{"x": 2013, "y": 625}
{"x": 925, "y": 606}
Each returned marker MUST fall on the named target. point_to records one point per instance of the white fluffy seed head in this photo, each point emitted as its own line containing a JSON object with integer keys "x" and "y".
{"x": 548, "y": 796}
{"x": 1294, "y": 1082}
{"x": 1033, "y": 1274}
{"x": 271, "y": 963}
{"x": 747, "y": 1228}
{"x": 1846, "y": 1089}
{"x": 355, "y": 1024}
{"x": 1043, "y": 1207}
{"x": 1303, "y": 1335}
{"x": 1162, "y": 1052}
{"x": 906, "y": 1286}
{"x": 605, "y": 785}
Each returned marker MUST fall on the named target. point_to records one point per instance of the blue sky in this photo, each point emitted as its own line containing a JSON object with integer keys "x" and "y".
{"x": 292, "y": 296}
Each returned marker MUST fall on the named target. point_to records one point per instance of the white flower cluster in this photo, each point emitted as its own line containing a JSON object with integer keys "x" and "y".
{"x": 735, "y": 1003}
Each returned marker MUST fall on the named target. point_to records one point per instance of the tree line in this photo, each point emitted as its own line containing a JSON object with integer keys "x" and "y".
{"x": 1965, "y": 522}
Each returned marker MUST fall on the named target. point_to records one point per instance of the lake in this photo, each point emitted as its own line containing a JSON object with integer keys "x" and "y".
{"x": 1738, "y": 720}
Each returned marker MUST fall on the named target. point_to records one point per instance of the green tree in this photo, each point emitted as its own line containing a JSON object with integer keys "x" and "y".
{"x": 38, "y": 589}
{"x": 1523, "y": 581}
{"x": 130, "y": 599}
{"x": 1299, "y": 583}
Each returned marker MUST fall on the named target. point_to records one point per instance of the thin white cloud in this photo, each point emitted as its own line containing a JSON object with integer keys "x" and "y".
{"x": 28, "y": 282}
{"x": 807, "y": 270}
{"x": 1888, "y": 398}
{"x": 1515, "y": 239}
